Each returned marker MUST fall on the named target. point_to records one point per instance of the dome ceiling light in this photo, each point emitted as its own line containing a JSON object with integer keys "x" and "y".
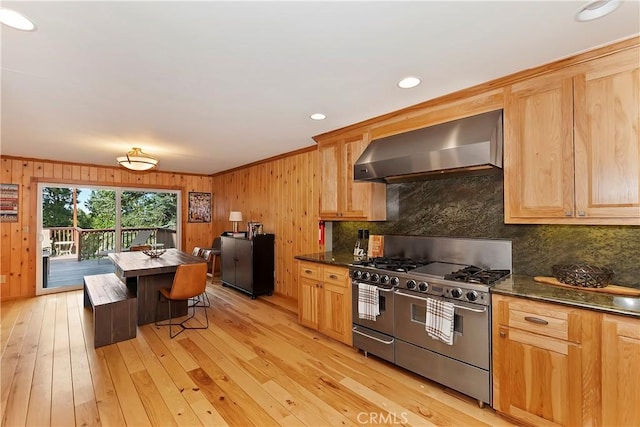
{"x": 136, "y": 160}
{"x": 409, "y": 82}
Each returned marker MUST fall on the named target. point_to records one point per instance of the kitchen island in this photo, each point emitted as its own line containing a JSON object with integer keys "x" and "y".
{"x": 145, "y": 276}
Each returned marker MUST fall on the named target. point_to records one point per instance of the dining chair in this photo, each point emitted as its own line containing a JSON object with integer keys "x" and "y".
{"x": 216, "y": 247}
{"x": 206, "y": 254}
{"x": 211, "y": 254}
{"x": 189, "y": 282}
{"x": 204, "y": 298}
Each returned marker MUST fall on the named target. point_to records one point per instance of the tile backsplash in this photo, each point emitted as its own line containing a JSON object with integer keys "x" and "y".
{"x": 473, "y": 207}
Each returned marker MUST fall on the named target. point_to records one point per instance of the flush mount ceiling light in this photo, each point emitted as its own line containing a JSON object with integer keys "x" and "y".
{"x": 16, "y": 20}
{"x": 596, "y": 9}
{"x": 318, "y": 116}
{"x": 136, "y": 160}
{"x": 409, "y": 82}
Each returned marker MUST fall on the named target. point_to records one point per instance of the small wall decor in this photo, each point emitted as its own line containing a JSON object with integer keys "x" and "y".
{"x": 8, "y": 202}
{"x": 199, "y": 207}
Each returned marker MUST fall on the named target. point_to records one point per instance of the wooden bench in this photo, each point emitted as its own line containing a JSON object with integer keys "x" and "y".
{"x": 114, "y": 308}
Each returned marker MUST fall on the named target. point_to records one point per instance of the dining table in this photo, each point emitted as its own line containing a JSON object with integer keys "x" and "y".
{"x": 145, "y": 276}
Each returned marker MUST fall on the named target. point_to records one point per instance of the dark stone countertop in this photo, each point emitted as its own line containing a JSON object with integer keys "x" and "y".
{"x": 526, "y": 287}
{"x": 342, "y": 259}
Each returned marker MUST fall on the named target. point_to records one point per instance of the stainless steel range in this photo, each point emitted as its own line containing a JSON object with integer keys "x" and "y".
{"x": 414, "y": 271}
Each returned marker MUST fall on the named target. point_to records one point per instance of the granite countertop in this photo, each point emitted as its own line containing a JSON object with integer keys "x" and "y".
{"x": 342, "y": 259}
{"x": 526, "y": 287}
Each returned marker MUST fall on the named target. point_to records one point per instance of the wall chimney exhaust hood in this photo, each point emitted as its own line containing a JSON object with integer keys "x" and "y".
{"x": 469, "y": 146}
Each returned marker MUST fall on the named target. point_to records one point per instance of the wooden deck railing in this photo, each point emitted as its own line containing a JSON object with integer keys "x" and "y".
{"x": 90, "y": 243}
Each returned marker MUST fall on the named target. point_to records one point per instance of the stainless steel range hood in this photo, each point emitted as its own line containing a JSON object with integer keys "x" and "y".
{"x": 472, "y": 145}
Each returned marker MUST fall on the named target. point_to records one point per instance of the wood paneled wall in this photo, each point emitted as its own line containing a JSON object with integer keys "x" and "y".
{"x": 18, "y": 239}
{"x": 283, "y": 194}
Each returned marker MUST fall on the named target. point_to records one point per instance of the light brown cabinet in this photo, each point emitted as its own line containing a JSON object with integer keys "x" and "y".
{"x": 324, "y": 300}
{"x": 572, "y": 144}
{"x": 340, "y": 197}
{"x": 545, "y": 368}
{"x": 620, "y": 371}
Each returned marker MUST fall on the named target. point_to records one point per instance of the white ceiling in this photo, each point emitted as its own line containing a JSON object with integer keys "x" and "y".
{"x": 207, "y": 86}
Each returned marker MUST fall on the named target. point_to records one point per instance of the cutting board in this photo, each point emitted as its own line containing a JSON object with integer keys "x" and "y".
{"x": 611, "y": 289}
{"x": 376, "y": 246}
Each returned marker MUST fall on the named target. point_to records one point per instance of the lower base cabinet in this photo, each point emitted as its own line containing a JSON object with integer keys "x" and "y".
{"x": 555, "y": 365}
{"x": 324, "y": 300}
{"x": 620, "y": 371}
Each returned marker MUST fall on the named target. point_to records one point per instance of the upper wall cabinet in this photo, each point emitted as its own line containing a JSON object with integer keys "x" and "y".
{"x": 572, "y": 145}
{"x": 342, "y": 199}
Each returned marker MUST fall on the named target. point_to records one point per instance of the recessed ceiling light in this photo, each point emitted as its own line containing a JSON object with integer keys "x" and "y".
{"x": 409, "y": 82}
{"x": 16, "y": 20}
{"x": 318, "y": 116}
{"x": 596, "y": 9}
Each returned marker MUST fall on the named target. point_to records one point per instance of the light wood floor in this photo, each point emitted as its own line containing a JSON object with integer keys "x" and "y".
{"x": 254, "y": 366}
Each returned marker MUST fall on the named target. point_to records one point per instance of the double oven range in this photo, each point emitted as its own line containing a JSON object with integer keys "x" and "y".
{"x": 414, "y": 269}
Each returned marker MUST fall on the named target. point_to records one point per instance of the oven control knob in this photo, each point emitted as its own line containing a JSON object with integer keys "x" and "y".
{"x": 357, "y": 274}
{"x": 395, "y": 281}
{"x": 472, "y": 295}
{"x": 375, "y": 277}
{"x": 384, "y": 279}
{"x": 411, "y": 284}
{"x": 366, "y": 275}
{"x": 456, "y": 293}
{"x": 423, "y": 286}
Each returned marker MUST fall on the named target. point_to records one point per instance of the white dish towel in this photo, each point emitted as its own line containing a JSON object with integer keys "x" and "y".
{"x": 368, "y": 306}
{"x": 439, "y": 324}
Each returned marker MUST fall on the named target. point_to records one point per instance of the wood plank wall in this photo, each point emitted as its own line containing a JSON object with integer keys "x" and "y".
{"x": 18, "y": 239}
{"x": 283, "y": 194}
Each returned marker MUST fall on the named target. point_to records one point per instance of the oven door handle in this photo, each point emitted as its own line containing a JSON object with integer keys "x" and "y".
{"x": 356, "y": 331}
{"x": 379, "y": 289}
{"x": 461, "y": 307}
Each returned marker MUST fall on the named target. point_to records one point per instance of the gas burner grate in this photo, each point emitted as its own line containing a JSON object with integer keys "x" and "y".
{"x": 478, "y": 275}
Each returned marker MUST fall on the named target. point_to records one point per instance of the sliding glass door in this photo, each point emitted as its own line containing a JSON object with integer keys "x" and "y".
{"x": 80, "y": 226}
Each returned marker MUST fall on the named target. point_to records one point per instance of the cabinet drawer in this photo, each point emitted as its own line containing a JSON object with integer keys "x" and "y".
{"x": 550, "y": 320}
{"x": 310, "y": 270}
{"x": 336, "y": 276}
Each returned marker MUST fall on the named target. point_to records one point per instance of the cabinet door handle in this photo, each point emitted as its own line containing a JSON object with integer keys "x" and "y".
{"x": 333, "y": 276}
{"x": 536, "y": 320}
{"x": 308, "y": 271}
{"x": 581, "y": 213}
{"x": 568, "y": 213}
{"x": 503, "y": 334}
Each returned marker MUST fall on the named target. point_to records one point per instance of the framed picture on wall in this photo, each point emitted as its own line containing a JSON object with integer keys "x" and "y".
{"x": 199, "y": 207}
{"x": 8, "y": 202}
